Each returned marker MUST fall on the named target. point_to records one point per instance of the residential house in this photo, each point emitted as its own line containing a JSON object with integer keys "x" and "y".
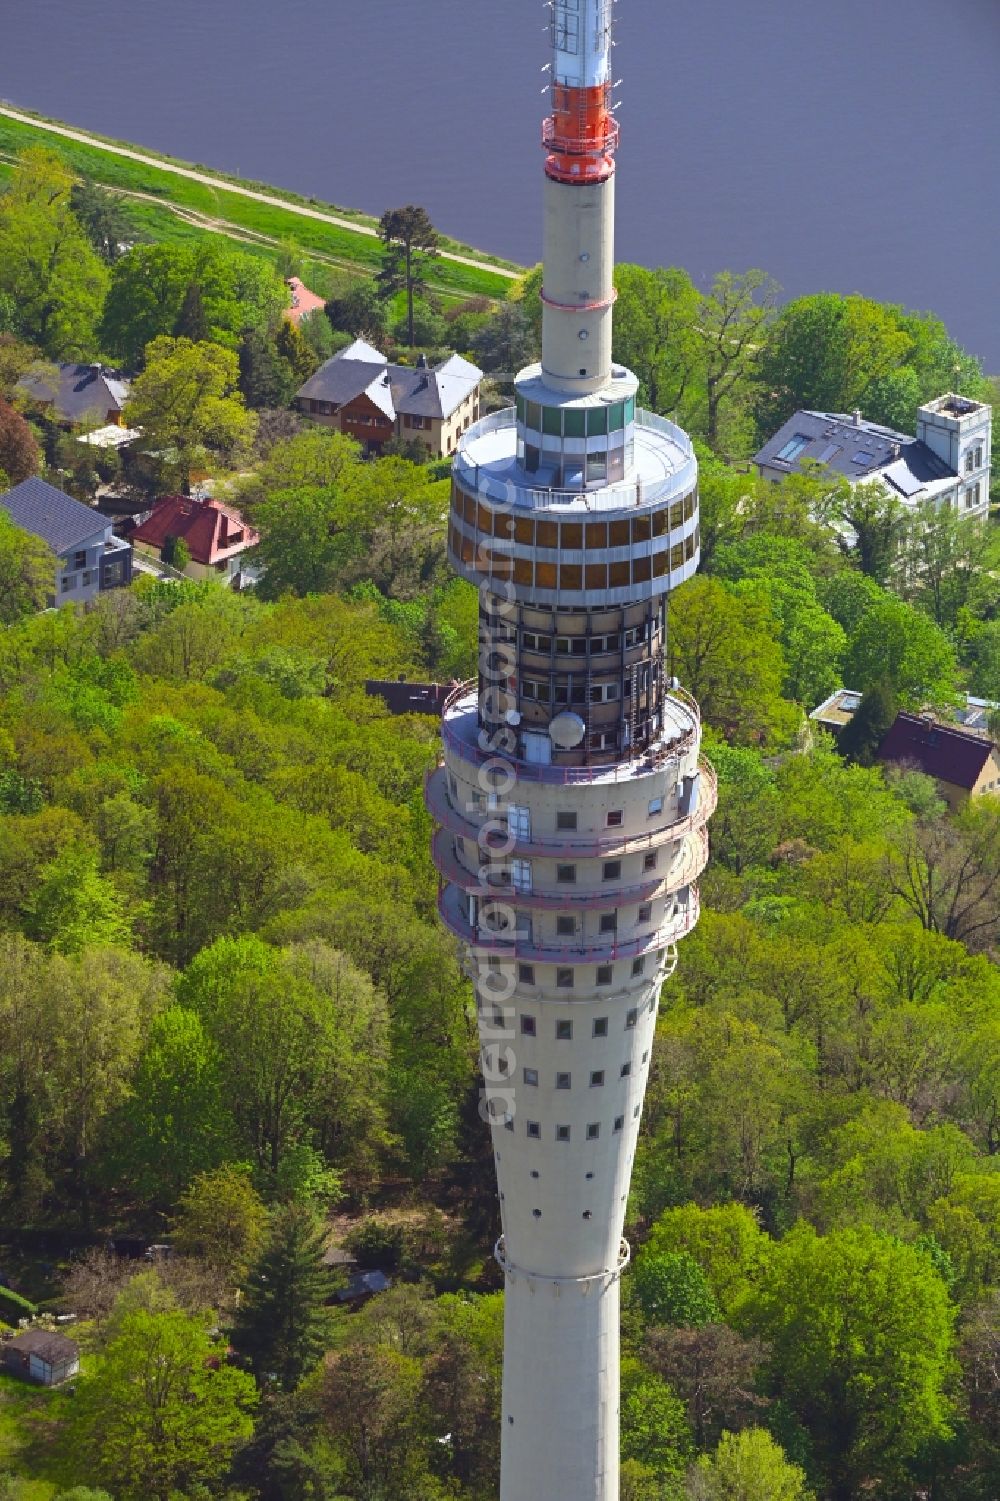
{"x": 215, "y": 535}
{"x": 41, "y": 1356}
{"x": 91, "y": 559}
{"x": 963, "y": 763}
{"x": 947, "y": 463}
{"x": 304, "y": 302}
{"x": 360, "y": 393}
{"x": 837, "y": 711}
{"x": 78, "y": 393}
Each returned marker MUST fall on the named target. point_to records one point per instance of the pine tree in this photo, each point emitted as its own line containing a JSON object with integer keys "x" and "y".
{"x": 281, "y": 1325}
{"x": 192, "y": 321}
{"x": 859, "y": 741}
{"x": 410, "y": 240}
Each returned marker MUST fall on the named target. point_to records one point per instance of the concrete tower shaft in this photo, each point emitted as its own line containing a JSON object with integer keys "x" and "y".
{"x": 580, "y": 136}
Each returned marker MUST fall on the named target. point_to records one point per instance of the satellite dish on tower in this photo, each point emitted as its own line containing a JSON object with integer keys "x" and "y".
{"x": 566, "y": 731}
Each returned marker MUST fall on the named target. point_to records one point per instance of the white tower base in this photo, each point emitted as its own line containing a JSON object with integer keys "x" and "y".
{"x": 560, "y": 1386}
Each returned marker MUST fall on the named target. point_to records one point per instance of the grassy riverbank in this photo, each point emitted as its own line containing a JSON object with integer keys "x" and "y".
{"x": 160, "y": 200}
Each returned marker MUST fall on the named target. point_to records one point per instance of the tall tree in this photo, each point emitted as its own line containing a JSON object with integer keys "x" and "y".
{"x": 27, "y": 572}
{"x": 161, "y": 1414}
{"x": 732, "y": 323}
{"x": 872, "y": 721}
{"x": 47, "y": 267}
{"x": 862, "y": 1337}
{"x": 656, "y": 318}
{"x": 281, "y": 1325}
{"x": 19, "y": 453}
{"x": 748, "y": 1466}
{"x": 105, "y": 219}
{"x": 410, "y": 241}
{"x": 187, "y": 400}
{"x": 725, "y": 651}
{"x": 897, "y": 642}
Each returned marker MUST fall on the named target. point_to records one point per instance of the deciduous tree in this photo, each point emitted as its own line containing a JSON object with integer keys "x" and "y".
{"x": 187, "y": 400}
{"x": 162, "y": 1413}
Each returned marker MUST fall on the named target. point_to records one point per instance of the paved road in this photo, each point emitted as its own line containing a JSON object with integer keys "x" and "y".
{"x": 221, "y": 185}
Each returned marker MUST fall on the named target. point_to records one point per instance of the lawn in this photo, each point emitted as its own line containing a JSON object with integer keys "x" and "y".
{"x": 28, "y": 1415}
{"x": 349, "y": 249}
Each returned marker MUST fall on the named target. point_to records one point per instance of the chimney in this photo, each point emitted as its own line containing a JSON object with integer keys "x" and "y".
{"x": 857, "y": 417}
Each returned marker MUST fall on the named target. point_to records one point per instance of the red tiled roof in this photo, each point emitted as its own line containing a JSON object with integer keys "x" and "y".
{"x": 303, "y": 301}
{"x": 205, "y": 525}
{"x": 939, "y": 750}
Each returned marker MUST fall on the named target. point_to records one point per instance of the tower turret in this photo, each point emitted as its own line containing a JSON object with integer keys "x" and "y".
{"x": 572, "y": 799}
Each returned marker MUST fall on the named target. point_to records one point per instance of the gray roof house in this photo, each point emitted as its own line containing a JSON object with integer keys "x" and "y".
{"x": 361, "y": 394}
{"x": 948, "y": 462}
{"x": 42, "y": 1357}
{"x": 78, "y": 392}
{"x": 90, "y": 557}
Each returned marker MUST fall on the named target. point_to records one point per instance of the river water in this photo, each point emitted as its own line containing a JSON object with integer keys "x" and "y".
{"x": 849, "y": 145}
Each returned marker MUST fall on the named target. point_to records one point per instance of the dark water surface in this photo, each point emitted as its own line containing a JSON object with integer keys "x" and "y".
{"x": 851, "y": 145}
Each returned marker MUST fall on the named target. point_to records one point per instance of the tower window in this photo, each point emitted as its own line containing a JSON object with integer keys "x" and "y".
{"x": 655, "y": 806}
{"x": 566, "y": 820}
{"x": 564, "y": 1030}
{"x": 646, "y": 912}
{"x": 528, "y": 1028}
{"x": 616, "y": 818}
{"x": 526, "y": 974}
{"x": 638, "y": 965}
{"x": 626, "y": 1070}
{"x": 534, "y": 1130}
{"x": 619, "y": 1122}
{"x": 593, "y": 1131}
{"x": 564, "y": 1081}
{"x": 565, "y": 926}
{"x": 609, "y": 922}
{"x": 566, "y": 874}
{"x": 597, "y": 1078}
{"x": 562, "y": 1133}
{"x": 531, "y": 1076}
{"x": 605, "y": 974}
{"x": 601, "y": 1025}
{"x": 631, "y": 1018}
{"x": 612, "y": 870}
{"x": 649, "y": 861}
{"x": 564, "y": 979}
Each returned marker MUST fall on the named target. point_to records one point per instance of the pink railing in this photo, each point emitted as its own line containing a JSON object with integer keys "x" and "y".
{"x": 441, "y": 810}
{"x": 521, "y": 946}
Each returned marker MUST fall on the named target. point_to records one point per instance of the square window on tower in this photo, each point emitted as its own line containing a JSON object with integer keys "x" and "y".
{"x": 564, "y": 1031}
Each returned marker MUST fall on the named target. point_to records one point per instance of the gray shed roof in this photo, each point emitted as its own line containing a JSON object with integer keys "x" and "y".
{"x": 54, "y": 1348}
{"x": 58, "y": 519}
{"x": 854, "y": 448}
{"x": 422, "y": 391}
{"x": 78, "y": 390}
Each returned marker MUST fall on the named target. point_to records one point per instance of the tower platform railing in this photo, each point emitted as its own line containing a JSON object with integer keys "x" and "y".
{"x": 501, "y": 486}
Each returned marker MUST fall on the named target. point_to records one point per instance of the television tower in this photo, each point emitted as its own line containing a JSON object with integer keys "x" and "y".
{"x": 572, "y": 801}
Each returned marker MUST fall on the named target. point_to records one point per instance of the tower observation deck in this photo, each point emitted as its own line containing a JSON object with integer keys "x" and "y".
{"x": 572, "y": 800}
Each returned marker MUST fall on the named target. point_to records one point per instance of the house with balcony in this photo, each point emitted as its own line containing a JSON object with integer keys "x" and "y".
{"x": 358, "y": 392}
{"x": 215, "y": 535}
{"x": 90, "y": 558}
{"x": 947, "y": 463}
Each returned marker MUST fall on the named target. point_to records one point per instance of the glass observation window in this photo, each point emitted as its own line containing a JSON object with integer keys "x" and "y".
{"x": 597, "y": 421}
{"x": 574, "y": 422}
{"x": 552, "y": 420}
